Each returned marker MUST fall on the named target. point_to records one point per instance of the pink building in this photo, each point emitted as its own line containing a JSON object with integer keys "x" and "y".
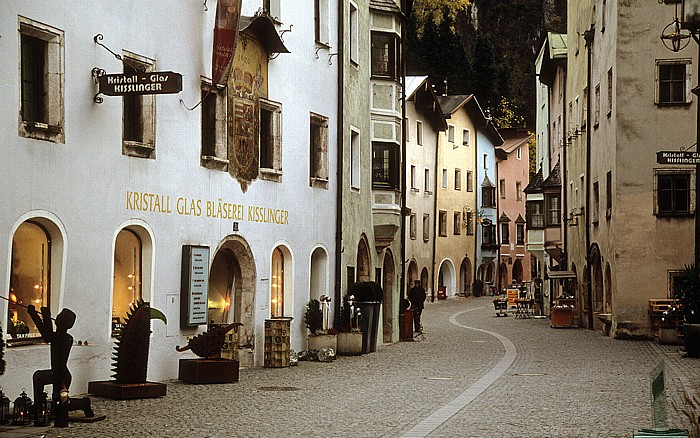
{"x": 513, "y": 175}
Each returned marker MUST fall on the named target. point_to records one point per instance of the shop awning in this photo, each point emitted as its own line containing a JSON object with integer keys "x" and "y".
{"x": 555, "y": 275}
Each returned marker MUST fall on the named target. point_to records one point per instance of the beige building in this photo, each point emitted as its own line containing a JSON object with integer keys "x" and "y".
{"x": 424, "y": 124}
{"x": 455, "y": 209}
{"x": 624, "y": 92}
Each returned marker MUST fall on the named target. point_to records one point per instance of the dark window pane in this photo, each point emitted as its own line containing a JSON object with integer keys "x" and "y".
{"x": 33, "y": 69}
{"x": 266, "y": 139}
{"x": 208, "y": 123}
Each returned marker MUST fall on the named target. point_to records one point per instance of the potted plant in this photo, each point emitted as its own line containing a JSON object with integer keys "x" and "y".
{"x": 688, "y": 295}
{"x": 349, "y": 333}
{"x": 319, "y": 336}
{"x": 670, "y": 321}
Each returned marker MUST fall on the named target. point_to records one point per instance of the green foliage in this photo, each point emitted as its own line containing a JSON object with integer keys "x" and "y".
{"x": 366, "y": 291}
{"x": 313, "y": 316}
{"x": 532, "y": 151}
{"x": 505, "y": 115}
{"x": 688, "y": 293}
{"x": 437, "y": 12}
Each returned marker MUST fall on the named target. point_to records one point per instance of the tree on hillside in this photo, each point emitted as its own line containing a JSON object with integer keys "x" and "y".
{"x": 435, "y": 11}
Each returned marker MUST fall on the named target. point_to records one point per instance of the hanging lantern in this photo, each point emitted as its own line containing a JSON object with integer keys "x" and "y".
{"x": 22, "y": 409}
{"x": 4, "y": 408}
{"x": 42, "y": 410}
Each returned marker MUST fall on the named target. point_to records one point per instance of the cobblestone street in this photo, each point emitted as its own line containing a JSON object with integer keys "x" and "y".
{"x": 545, "y": 383}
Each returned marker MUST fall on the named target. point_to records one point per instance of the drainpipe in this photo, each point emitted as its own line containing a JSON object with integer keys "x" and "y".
{"x": 589, "y": 36}
{"x": 562, "y": 166}
{"x": 435, "y": 215}
{"x": 339, "y": 193}
{"x": 404, "y": 22}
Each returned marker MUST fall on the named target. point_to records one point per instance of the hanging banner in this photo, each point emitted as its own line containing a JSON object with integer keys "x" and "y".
{"x": 228, "y": 14}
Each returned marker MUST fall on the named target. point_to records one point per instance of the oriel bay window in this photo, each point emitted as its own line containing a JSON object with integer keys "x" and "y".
{"x": 385, "y": 55}
{"x": 534, "y": 214}
{"x": 553, "y": 217}
{"x": 385, "y": 165}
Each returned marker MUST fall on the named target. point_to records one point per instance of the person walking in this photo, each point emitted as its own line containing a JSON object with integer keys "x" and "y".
{"x": 416, "y": 295}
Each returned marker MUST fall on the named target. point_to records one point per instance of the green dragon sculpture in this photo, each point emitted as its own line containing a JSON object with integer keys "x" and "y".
{"x": 130, "y": 358}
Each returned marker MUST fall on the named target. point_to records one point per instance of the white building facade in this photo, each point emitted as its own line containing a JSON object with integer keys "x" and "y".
{"x": 101, "y": 199}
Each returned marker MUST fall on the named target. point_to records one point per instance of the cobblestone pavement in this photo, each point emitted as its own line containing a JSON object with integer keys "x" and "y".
{"x": 562, "y": 383}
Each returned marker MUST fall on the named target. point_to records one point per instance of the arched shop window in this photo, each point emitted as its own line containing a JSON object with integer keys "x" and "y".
{"x": 127, "y": 275}
{"x": 277, "y": 284}
{"x": 30, "y": 278}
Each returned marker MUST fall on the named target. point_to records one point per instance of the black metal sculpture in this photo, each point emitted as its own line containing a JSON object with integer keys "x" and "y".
{"x": 208, "y": 344}
{"x": 132, "y": 344}
{"x": 59, "y": 375}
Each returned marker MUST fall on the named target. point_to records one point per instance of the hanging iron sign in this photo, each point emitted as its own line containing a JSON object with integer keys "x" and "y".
{"x": 153, "y": 82}
{"x": 677, "y": 157}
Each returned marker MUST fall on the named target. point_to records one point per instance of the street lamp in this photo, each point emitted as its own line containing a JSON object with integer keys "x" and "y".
{"x": 690, "y": 19}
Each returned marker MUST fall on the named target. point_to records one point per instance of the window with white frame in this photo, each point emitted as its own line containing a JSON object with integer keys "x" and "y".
{"x": 442, "y": 223}
{"x": 444, "y": 178}
{"x": 41, "y": 81}
{"x": 427, "y": 187}
{"x": 139, "y": 112}
{"x": 270, "y": 139}
{"x": 354, "y": 159}
{"x": 419, "y": 133}
{"x": 458, "y": 179}
{"x": 519, "y": 153}
{"x": 412, "y": 223}
{"x": 413, "y": 178}
{"x": 673, "y": 81}
{"x": 520, "y": 234}
{"x": 451, "y": 133}
{"x": 518, "y": 191}
{"x": 354, "y": 39}
{"x": 470, "y": 181}
{"x": 465, "y": 137}
{"x": 213, "y": 126}
{"x": 272, "y": 8}
{"x": 596, "y": 110}
{"x": 385, "y": 165}
{"x": 321, "y": 31}
{"x": 553, "y": 217}
{"x": 596, "y": 204}
{"x": 502, "y": 187}
{"x": 426, "y": 227}
{"x": 318, "y": 149}
{"x": 534, "y": 214}
{"x": 457, "y": 223}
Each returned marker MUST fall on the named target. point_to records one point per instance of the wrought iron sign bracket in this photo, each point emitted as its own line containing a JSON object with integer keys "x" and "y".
{"x": 138, "y": 67}
{"x": 96, "y": 73}
{"x": 285, "y": 31}
{"x": 330, "y": 57}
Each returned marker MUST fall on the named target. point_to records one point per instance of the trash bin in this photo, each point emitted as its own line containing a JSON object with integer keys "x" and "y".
{"x": 277, "y": 350}
{"x": 369, "y": 324}
{"x": 406, "y": 325}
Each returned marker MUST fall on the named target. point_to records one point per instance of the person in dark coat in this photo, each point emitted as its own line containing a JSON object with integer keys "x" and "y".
{"x": 417, "y": 298}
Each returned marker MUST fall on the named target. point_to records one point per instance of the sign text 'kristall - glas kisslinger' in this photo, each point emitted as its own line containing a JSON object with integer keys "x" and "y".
{"x": 154, "y": 82}
{"x": 677, "y": 157}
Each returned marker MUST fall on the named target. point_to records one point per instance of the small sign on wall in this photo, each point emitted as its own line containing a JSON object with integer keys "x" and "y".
{"x": 194, "y": 286}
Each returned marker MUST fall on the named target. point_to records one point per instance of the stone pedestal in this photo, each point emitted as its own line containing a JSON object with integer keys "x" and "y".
{"x": 202, "y": 371}
{"x": 126, "y": 391}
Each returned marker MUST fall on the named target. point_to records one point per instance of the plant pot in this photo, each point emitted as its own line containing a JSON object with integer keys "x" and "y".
{"x": 691, "y": 339}
{"x": 668, "y": 335}
{"x": 349, "y": 343}
{"x": 317, "y": 342}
